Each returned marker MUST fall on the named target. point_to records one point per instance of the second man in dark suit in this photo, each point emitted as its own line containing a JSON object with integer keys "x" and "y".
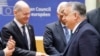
{"x": 55, "y": 39}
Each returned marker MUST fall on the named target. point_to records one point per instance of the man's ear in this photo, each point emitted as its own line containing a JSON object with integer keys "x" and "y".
{"x": 76, "y": 15}
{"x": 14, "y": 12}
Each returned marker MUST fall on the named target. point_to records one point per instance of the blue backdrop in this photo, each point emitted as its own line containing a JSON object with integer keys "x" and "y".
{"x": 42, "y": 12}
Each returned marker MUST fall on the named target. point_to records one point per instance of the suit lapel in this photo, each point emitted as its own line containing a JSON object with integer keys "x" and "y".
{"x": 71, "y": 40}
{"x": 60, "y": 31}
{"x": 17, "y": 30}
{"x": 74, "y": 36}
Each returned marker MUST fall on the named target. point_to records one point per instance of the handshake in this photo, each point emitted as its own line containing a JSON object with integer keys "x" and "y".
{"x": 41, "y": 54}
{"x": 10, "y": 48}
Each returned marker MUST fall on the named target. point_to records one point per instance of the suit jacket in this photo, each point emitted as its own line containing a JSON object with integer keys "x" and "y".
{"x": 54, "y": 39}
{"x": 84, "y": 42}
{"x": 93, "y": 17}
{"x": 1, "y": 49}
{"x": 1, "y": 52}
{"x": 11, "y": 29}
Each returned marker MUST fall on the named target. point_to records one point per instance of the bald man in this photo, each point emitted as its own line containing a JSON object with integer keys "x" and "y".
{"x": 22, "y": 32}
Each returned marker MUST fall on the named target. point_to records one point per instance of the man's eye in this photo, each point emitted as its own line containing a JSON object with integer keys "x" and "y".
{"x": 62, "y": 11}
{"x": 65, "y": 15}
{"x": 61, "y": 15}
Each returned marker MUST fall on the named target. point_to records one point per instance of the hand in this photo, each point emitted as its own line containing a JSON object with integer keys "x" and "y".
{"x": 10, "y": 47}
{"x": 11, "y": 43}
{"x": 41, "y": 54}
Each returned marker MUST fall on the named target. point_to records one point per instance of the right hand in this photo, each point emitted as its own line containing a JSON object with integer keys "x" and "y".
{"x": 10, "y": 47}
{"x": 41, "y": 54}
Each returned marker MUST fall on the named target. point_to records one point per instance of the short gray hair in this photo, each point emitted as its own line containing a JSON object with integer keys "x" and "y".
{"x": 60, "y": 5}
{"x": 77, "y": 6}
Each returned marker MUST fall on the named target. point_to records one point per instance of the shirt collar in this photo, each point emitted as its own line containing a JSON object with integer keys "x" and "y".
{"x": 18, "y": 23}
{"x": 75, "y": 27}
{"x": 62, "y": 25}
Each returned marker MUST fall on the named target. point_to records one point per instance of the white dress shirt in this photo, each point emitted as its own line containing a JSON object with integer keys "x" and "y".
{"x": 26, "y": 30}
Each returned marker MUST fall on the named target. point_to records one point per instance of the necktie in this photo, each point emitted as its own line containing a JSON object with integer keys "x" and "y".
{"x": 66, "y": 34}
{"x": 24, "y": 35}
{"x": 71, "y": 33}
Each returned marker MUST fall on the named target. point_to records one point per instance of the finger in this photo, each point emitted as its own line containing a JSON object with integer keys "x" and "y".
{"x": 10, "y": 38}
{"x": 10, "y": 45}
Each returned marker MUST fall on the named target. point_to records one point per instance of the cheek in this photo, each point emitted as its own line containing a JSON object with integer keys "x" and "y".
{"x": 68, "y": 20}
{"x": 23, "y": 17}
{"x": 19, "y": 16}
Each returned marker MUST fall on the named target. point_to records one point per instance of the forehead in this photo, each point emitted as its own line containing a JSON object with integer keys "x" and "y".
{"x": 62, "y": 8}
{"x": 67, "y": 9}
{"x": 25, "y": 9}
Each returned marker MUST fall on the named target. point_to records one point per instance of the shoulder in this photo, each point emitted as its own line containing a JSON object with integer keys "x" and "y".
{"x": 29, "y": 25}
{"x": 53, "y": 24}
{"x": 1, "y": 53}
{"x": 94, "y": 11}
{"x": 9, "y": 25}
{"x": 89, "y": 28}
{"x": 88, "y": 32}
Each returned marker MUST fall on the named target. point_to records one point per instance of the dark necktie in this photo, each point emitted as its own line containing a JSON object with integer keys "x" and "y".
{"x": 71, "y": 33}
{"x": 24, "y": 35}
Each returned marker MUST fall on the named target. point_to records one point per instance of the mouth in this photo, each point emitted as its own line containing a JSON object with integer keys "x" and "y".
{"x": 26, "y": 19}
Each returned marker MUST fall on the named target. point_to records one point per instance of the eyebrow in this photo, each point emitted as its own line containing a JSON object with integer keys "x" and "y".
{"x": 64, "y": 13}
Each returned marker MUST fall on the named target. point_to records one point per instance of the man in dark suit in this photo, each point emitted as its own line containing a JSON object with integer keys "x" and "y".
{"x": 21, "y": 31}
{"x": 93, "y": 17}
{"x": 85, "y": 40}
{"x": 54, "y": 36}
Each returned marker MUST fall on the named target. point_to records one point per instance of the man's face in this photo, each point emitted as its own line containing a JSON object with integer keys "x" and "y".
{"x": 60, "y": 14}
{"x": 69, "y": 17}
{"x": 23, "y": 15}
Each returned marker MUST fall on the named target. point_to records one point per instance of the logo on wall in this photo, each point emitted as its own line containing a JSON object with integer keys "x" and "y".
{"x": 2, "y": 3}
{"x": 7, "y": 11}
{"x": 41, "y": 11}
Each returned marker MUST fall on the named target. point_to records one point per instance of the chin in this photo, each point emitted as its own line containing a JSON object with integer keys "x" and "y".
{"x": 24, "y": 22}
{"x": 63, "y": 23}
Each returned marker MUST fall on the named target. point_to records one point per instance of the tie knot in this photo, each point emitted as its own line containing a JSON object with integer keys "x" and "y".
{"x": 65, "y": 28}
{"x": 23, "y": 26}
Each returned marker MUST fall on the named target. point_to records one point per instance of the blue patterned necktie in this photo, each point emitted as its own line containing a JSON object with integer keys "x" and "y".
{"x": 66, "y": 32}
